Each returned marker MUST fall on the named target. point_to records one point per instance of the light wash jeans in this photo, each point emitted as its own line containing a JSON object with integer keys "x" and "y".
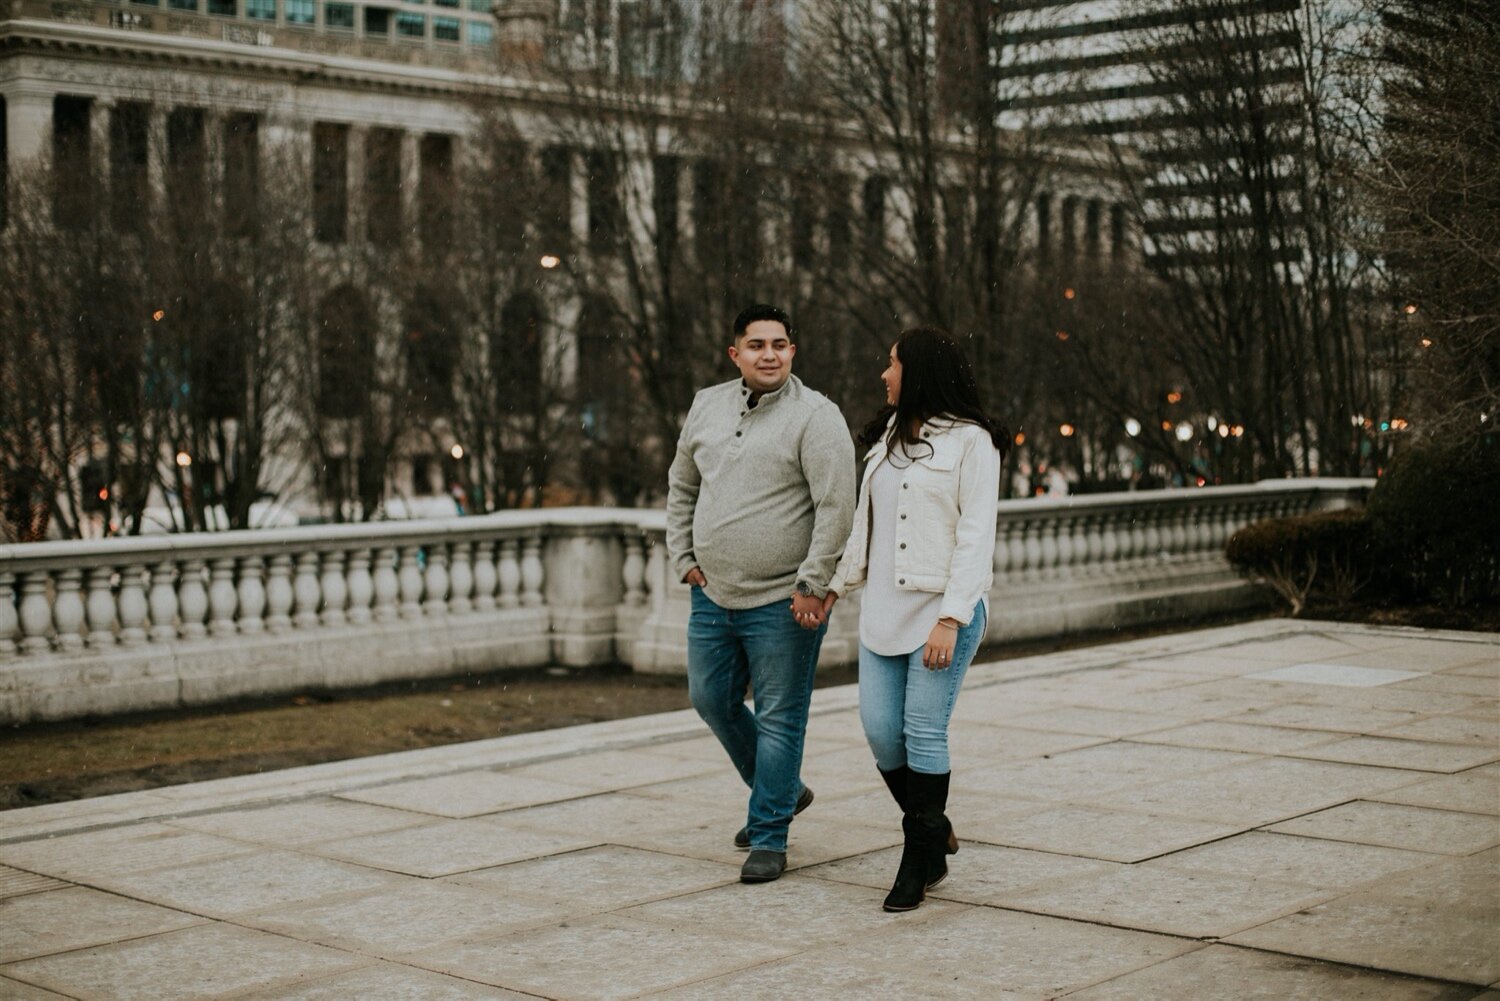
{"x": 764, "y": 648}
{"x": 905, "y": 708}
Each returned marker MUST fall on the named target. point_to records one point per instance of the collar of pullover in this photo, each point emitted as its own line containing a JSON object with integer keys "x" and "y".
{"x": 746, "y": 406}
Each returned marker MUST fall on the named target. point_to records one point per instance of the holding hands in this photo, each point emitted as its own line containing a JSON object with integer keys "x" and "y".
{"x": 937, "y": 655}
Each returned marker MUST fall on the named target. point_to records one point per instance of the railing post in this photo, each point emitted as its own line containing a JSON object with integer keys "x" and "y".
{"x": 132, "y": 607}
{"x": 101, "y": 608}
{"x": 9, "y": 625}
{"x": 161, "y": 602}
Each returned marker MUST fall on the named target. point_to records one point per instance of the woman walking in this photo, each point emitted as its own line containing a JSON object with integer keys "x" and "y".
{"x": 923, "y": 546}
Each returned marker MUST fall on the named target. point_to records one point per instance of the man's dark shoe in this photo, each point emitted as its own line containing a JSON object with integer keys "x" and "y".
{"x": 763, "y": 866}
{"x": 742, "y": 836}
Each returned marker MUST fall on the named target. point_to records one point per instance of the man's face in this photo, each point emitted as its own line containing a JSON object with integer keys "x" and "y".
{"x": 763, "y": 354}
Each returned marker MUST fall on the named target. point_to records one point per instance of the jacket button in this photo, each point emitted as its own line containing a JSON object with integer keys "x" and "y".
{"x": 739, "y": 434}
{"x": 903, "y": 545}
{"x": 903, "y": 486}
{"x": 903, "y": 515}
{"x": 901, "y": 580}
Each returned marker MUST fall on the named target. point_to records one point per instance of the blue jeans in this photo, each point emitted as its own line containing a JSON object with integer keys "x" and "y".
{"x": 765, "y": 649}
{"x": 905, "y": 708}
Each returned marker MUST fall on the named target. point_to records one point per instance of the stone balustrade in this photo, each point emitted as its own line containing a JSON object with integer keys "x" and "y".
{"x": 136, "y": 623}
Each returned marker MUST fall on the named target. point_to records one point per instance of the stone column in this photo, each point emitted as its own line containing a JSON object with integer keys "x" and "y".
{"x": 583, "y": 582}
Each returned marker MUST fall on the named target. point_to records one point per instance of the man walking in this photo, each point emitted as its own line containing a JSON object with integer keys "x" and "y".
{"x": 760, "y": 501}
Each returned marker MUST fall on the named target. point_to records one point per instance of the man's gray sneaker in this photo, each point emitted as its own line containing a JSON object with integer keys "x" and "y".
{"x": 763, "y": 866}
{"x": 742, "y": 836}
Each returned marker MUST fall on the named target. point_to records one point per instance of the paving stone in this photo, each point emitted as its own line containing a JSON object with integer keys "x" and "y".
{"x": 1258, "y": 792}
{"x": 468, "y": 794}
{"x": 1337, "y": 719}
{"x": 1244, "y": 737}
{"x": 1487, "y": 666}
{"x": 1366, "y": 929}
{"x": 971, "y": 743}
{"x": 1094, "y": 722}
{"x": 1428, "y": 656}
{"x": 407, "y": 917}
{"x": 301, "y": 822}
{"x": 1346, "y": 675}
{"x": 604, "y": 957}
{"x": 14, "y": 990}
{"x": 1115, "y": 836}
{"x": 1392, "y": 752}
{"x": 199, "y": 962}
{"x": 1212, "y": 663}
{"x": 1173, "y": 901}
{"x": 722, "y": 789}
{"x": 18, "y": 882}
{"x": 40, "y": 923}
{"x": 600, "y": 879}
{"x": 801, "y": 913}
{"x": 1399, "y": 699}
{"x": 827, "y": 975}
{"x": 1313, "y": 861}
{"x": 386, "y": 982}
{"x": 615, "y": 769}
{"x": 245, "y": 883}
{"x": 1453, "y": 728}
{"x": 1399, "y": 826}
{"x": 117, "y": 850}
{"x": 1300, "y": 648}
{"x": 1454, "y": 684}
{"x": 1100, "y": 770}
{"x": 1188, "y": 702}
{"x": 1028, "y": 954}
{"x": 1476, "y": 791}
{"x": 452, "y": 846}
{"x": 1235, "y": 974}
{"x": 978, "y": 874}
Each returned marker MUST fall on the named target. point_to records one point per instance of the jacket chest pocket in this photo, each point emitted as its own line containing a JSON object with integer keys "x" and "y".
{"x": 935, "y": 474}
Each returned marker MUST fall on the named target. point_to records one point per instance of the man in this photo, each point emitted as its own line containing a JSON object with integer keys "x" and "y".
{"x": 760, "y": 501}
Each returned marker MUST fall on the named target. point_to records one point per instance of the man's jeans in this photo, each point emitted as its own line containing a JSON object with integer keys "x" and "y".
{"x": 905, "y": 707}
{"x": 766, "y": 649}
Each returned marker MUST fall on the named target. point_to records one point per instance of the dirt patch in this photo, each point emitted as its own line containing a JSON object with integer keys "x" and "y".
{"x": 53, "y": 762}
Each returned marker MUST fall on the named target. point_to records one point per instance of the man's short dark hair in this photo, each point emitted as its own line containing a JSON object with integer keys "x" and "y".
{"x": 761, "y": 311}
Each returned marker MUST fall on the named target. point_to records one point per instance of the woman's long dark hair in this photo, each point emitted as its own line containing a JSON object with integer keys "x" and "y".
{"x": 936, "y": 381}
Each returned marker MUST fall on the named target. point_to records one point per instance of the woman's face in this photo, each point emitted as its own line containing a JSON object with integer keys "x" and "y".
{"x": 892, "y": 379}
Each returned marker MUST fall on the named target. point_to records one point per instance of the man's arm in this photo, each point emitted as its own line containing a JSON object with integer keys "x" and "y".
{"x": 827, "y": 456}
{"x": 683, "y": 481}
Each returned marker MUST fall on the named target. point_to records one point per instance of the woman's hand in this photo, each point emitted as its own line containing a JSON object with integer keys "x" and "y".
{"x": 828, "y": 601}
{"x": 937, "y": 655}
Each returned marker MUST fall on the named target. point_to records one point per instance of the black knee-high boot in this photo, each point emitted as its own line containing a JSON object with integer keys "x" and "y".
{"x": 897, "y": 780}
{"x": 927, "y": 836}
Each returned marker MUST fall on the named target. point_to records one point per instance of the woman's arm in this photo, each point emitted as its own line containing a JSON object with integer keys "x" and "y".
{"x": 974, "y": 538}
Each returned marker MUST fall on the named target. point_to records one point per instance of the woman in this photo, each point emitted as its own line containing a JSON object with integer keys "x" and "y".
{"x": 923, "y": 545}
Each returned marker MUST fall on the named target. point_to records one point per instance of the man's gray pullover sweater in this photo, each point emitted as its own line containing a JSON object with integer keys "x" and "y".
{"x": 760, "y": 497}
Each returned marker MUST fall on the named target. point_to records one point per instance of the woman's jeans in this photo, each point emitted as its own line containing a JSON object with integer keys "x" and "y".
{"x": 765, "y": 649}
{"x": 905, "y": 708}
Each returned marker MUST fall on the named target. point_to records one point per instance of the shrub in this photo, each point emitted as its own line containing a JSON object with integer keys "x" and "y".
{"x": 1327, "y": 554}
{"x": 1433, "y": 516}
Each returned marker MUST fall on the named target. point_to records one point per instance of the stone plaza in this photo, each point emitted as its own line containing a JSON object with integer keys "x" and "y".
{"x": 1266, "y": 810}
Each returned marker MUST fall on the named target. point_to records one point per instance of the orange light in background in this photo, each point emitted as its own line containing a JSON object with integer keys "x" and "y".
{"x": 158, "y": 315}
{"x": 1427, "y": 342}
{"x": 1238, "y": 430}
{"x": 104, "y": 493}
{"x": 1409, "y": 308}
{"x": 550, "y": 261}
{"x": 1020, "y": 438}
{"x": 1066, "y": 430}
{"x": 1062, "y": 335}
{"x": 1166, "y": 425}
{"x": 1174, "y": 397}
{"x": 1069, "y": 293}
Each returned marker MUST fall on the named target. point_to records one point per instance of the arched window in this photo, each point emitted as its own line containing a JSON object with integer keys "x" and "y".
{"x": 516, "y": 355}
{"x": 346, "y": 353}
{"x": 598, "y": 370}
{"x": 219, "y": 333}
{"x": 431, "y": 352}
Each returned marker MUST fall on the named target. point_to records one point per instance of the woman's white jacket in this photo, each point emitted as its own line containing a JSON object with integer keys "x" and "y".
{"x": 945, "y": 527}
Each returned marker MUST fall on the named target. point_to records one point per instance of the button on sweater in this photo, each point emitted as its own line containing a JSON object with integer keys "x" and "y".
{"x": 760, "y": 497}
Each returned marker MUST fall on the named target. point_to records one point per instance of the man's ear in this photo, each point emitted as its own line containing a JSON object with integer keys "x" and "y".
{"x": 734, "y": 353}
{"x": 791, "y": 350}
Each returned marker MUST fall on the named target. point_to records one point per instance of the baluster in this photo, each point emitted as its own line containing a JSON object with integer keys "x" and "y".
{"x": 10, "y": 625}
{"x": 386, "y": 585}
{"x": 1136, "y": 551}
{"x": 460, "y": 577}
{"x": 510, "y": 574}
{"x": 192, "y": 599}
{"x": 634, "y": 570}
{"x": 485, "y": 578}
{"x": 1064, "y": 528}
{"x": 305, "y": 591}
{"x": 252, "y": 596}
{"x": 361, "y": 587}
{"x": 132, "y": 606}
{"x": 223, "y": 599}
{"x": 279, "y": 595}
{"x": 1015, "y": 548}
{"x": 531, "y": 572}
{"x": 1093, "y": 544}
{"x": 436, "y": 579}
{"x": 68, "y": 611}
{"x": 656, "y": 570}
{"x": 161, "y": 602}
{"x": 1049, "y": 550}
{"x": 1000, "y": 565}
{"x": 35, "y": 613}
{"x": 1111, "y": 525}
{"x": 100, "y": 604}
{"x": 1180, "y": 531}
{"x": 335, "y": 589}
{"x": 1032, "y": 547}
{"x": 410, "y": 578}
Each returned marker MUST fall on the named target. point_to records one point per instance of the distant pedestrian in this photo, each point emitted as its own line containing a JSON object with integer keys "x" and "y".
{"x": 922, "y": 545}
{"x": 759, "y": 501}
